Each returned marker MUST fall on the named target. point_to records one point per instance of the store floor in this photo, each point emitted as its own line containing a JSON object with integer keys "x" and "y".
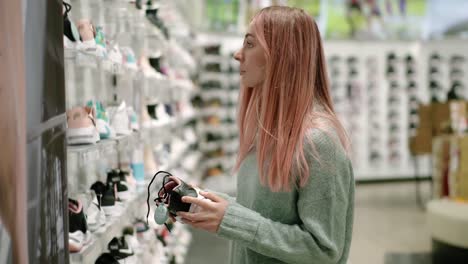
{"x": 390, "y": 228}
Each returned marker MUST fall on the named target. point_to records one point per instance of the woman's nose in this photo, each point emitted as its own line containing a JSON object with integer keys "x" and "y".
{"x": 237, "y": 55}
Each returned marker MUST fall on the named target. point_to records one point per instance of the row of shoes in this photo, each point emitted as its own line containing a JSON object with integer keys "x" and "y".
{"x": 456, "y": 88}
{"x": 93, "y": 122}
{"x": 106, "y": 203}
{"x": 90, "y": 39}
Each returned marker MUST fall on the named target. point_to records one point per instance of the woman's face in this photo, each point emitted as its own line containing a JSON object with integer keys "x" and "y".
{"x": 252, "y": 60}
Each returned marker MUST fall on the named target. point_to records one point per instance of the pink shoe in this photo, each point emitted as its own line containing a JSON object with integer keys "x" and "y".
{"x": 81, "y": 126}
{"x": 87, "y": 33}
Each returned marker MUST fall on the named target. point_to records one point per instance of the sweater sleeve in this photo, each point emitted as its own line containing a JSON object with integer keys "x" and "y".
{"x": 322, "y": 207}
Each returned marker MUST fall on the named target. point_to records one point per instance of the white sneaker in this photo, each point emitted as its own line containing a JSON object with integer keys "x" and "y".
{"x": 81, "y": 126}
{"x": 119, "y": 120}
{"x": 163, "y": 116}
{"x": 115, "y": 55}
{"x": 95, "y": 216}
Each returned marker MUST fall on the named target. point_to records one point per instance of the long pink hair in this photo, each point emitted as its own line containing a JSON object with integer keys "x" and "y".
{"x": 274, "y": 120}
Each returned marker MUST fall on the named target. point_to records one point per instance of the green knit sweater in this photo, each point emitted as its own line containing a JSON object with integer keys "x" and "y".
{"x": 309, "y": 225}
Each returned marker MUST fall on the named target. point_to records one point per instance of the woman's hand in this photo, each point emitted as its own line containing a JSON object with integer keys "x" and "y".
{"x": 210, "y": 215}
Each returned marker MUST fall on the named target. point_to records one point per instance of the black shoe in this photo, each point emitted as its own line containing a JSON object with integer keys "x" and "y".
{"x": 152, "y": 111}
{"x": 78, "y": 227}
{"x": 391, "y": 57}
{"x": 213, "y": 49}
{"x": 107, "y": 197}
{"x": 115, "y": 182}
{"x": 210, "y": 137}
{"x": 106, "y": 258}
{"x": 155, "y": 62}
{"x": 211, "y": 85}
{"x": 213, "y": 67}
{"x": 119, "y": 248}
{"x": 69, "y": 28}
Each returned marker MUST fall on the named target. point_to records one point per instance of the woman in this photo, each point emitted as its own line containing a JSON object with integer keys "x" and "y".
{"x": 295, "y": 195}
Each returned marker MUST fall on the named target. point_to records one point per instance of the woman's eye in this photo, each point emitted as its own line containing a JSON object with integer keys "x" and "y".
{"x": 249, "y": 44}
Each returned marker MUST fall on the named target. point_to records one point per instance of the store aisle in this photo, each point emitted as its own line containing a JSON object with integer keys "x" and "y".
{"x": 389, "y": 228}
{"x": 207, "y": 248}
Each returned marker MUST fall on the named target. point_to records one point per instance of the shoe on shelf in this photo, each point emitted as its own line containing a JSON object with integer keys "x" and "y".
{"x": 158, "y": 113}
{"x": 102, "y": 120}
{"x": 69, "y": 28}
{"x": 127, "y": 176}
{"x": 119, "y": 119}
{"x": 121, "y": 251}
{"x": 120, "y": 187}
{"x": 79, "y": 236}
{"x": 87, "y": 32}
{"x": 95, "y": 214}
{"x": 147, "y": 69}
{"x": 106, "y": 258}
{"x": 81, "y": 126}
{"x": 129, "y": 234}
{"x": 107, "y": 198}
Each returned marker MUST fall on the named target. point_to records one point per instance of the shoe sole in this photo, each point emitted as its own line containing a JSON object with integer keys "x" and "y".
{"x": 86, "y": 135}
{"x": 77, "y": 241}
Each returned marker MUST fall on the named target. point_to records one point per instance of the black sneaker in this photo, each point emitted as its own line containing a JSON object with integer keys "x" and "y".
{"x": 106, "y": 258}
{"x": 152, "y": 111}
{"x": 211, "y": 85}
{"x": 213, "y": 67}
{"x": 210, "y": 137}
{"x": 456, "y": 91}
{"x": 155, "y": 62}
{"x": 120, "y": 187}
{"x": 107, "y": 197}
{"x": 79, "y": 235}
{"x": 69, "y": 28}
{"x": 213, "y": 49}
{"x": 119, "y": 248}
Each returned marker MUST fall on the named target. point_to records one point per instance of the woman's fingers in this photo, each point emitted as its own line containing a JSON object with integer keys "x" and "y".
{"x": 213, "y": 197}
{"x": 192, "y": 217}
{"x": 205, "y": 204}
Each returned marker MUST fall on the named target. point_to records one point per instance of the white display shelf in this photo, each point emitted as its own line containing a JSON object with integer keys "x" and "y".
{"x": 92, "y": 60}
{"x": 103, "y": 148}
